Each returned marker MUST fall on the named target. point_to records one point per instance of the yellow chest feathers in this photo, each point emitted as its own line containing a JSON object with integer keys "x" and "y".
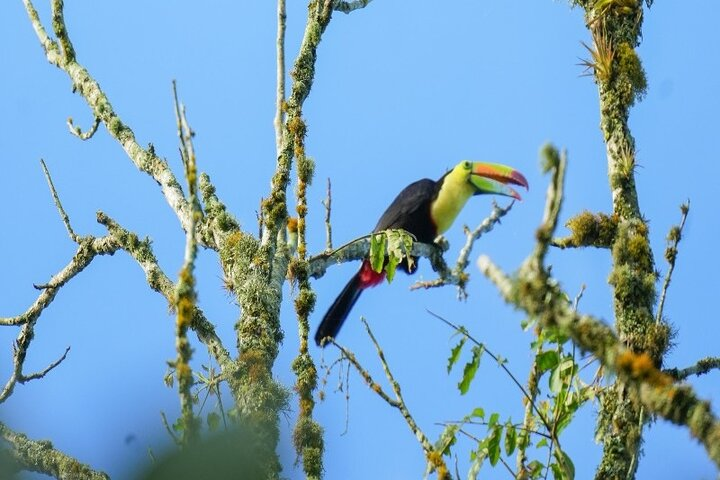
{"x": 454, "y": 193}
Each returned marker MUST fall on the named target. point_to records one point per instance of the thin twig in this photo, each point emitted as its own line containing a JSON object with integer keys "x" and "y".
{"x": 41, "y": 374}
{"x": 398, "y": 402}
{"x": 88, "y": 249}
{"x": 75, "y": 130}
{"x": 66, "y": 220}
{"x": 402, "y": 406}
{"x": 280, "y": 94}
{"x": 327, "y": 203}
{"x": 170, "y": 431}
{"x": 671, "y": 252}
{"x": 464, "y": 331}
{"x": 62, "y": 55}
{"x": 374, "y": 386}
{"x": 458, "y": 276}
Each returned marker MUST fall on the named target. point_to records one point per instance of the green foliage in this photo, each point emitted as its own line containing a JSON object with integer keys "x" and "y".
{"x": 546, "y": 418}
{"x": 388, "y": 249}
{"x": 470, "y": 369}
{"x": 455, "y": 353}
{"x": 377, "y": 251}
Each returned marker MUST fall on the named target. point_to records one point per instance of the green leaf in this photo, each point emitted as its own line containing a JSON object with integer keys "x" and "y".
{"x": 377, "y": 251}
{"x": 470, "y": 369}
{"x": 395, "y": 252}
{"x": 494, "y": 445}
{"x": 510, "y": 438}
{"x": 213, "y": 421}
{"x": 408, "y": 240}
{"x": 547, "y": 360}
{"x": 566, "y": 464}
{"x": 390, "y": 268}
{"x": 455, "y": 353}
{"x": 478, "y": 412}
{"x": 542, "y": 443}
{"x": 493, "y": 420}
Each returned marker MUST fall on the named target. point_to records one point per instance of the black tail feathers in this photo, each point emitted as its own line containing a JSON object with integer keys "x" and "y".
{"x": 339, "y": 310}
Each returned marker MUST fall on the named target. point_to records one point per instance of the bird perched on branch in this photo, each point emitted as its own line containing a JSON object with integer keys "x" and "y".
{"x": 425, "y": 209}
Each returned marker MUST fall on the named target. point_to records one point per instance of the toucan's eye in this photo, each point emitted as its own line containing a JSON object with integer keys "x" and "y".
{"x": 467, "y": 165}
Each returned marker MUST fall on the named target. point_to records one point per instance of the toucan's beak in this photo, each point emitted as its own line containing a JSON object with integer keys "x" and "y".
{"x": 494, "y": 178}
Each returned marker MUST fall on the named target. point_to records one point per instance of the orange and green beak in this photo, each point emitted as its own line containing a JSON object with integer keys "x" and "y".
{"x": 494, "y": 178}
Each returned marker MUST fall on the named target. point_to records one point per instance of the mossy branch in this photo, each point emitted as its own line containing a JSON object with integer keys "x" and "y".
{"x": 61, "y": 53}
{"x": 588, "y": 230}
{"x": 42, "y": 457}
{"x": 88, "y": 248}
{"x": 534, "y": 291}
{"x": 185, "y": 296}
{"x": 706, "y": 365}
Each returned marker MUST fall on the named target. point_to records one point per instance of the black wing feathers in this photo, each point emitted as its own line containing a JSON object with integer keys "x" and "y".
{"x": 411, "y": 211}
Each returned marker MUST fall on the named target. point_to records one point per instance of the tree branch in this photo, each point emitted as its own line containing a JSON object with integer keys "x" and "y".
{"x": 534, "y": 291}
{"x": 40, "y": 456}
{"x": 702, "y": 367}
{"x": 434, "y": 458}
{"x": 62, "y": 55}
{"x": 673, "y": 238}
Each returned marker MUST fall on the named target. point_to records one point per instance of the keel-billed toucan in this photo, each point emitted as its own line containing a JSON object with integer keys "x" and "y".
{"x": 426, "y": 209}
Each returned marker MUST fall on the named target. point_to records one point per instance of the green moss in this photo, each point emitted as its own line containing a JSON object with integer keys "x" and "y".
{"x": 306, "y": 169}
{"x": 305, "y": 302}
{"x": 588, "y": 229}
{"x": 631, "y": 80}
{"x": 115, "y": 127}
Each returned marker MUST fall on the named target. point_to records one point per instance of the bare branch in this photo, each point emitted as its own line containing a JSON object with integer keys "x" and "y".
{"x": 458, "y": 276}
{"x": 280, "y": 95}
{"x": 62, "y": 55}
{"x": 349, "y": 6}
{"x": 88, "y": 249}
{"x": 66, "y": 220}
{"x": 41, "y": 374}
{"x": 674, "y": 237}
{"x": 327, "y": 203}
{"x": 434, "y": 458}
{"x": 79, "y": 133}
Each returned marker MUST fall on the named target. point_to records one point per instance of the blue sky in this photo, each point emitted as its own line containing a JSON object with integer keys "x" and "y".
{"x": 401, "y": 92}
